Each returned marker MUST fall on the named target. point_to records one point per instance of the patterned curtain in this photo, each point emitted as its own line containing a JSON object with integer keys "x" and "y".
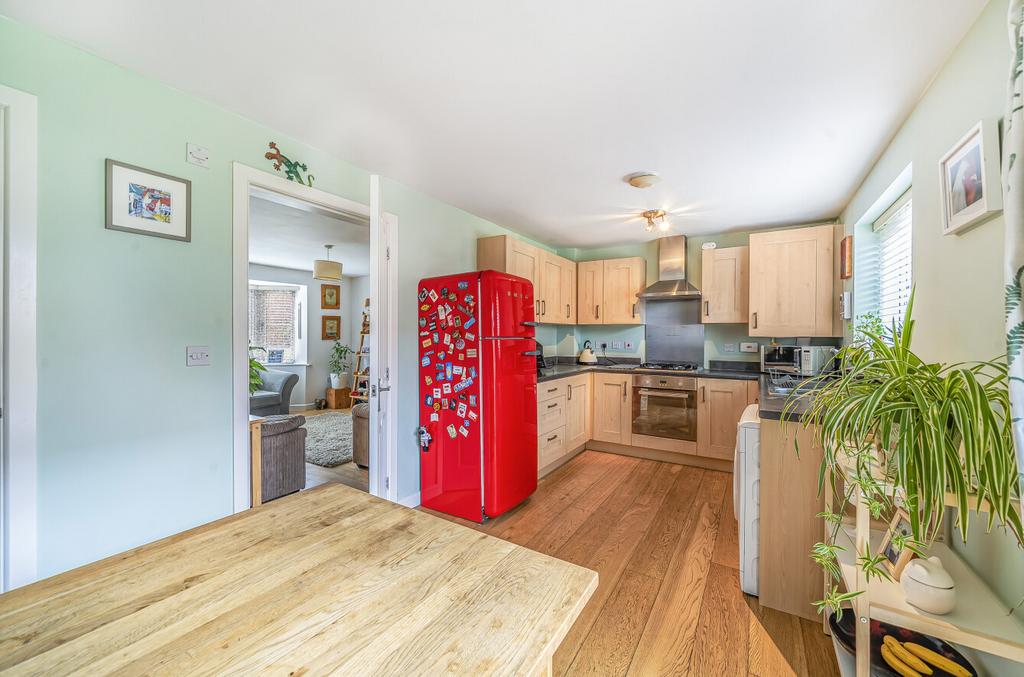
{"x": 1013, "y": 212}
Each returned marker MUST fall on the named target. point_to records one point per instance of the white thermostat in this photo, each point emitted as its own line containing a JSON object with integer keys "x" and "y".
{"x": 197, "y": 155}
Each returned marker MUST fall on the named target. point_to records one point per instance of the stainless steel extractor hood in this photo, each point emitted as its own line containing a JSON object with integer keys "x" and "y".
{"x": 671, "y": 282}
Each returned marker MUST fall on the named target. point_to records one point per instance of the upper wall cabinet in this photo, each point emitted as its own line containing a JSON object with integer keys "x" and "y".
{"x": 724, "y": 287}
{"x": 608, "y": 290}
{"x": 553, "y": 277}
{"x": 793, "y": 279}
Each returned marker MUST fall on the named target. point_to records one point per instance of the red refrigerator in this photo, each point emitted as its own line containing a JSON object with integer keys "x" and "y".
{"x": 478, "y": 393}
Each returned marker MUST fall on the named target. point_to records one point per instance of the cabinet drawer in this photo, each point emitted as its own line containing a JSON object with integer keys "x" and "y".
{"x": 551, "y": 414}
{"x": 551, "y": 447}
{"x": 551, "y": 389}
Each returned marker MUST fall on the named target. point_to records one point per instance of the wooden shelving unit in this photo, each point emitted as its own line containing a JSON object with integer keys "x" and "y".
{"x": 980, "y": 620}
{"x": 361, "y": 373}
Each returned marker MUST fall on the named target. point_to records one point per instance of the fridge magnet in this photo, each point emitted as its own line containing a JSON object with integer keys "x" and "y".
{"x": 148, "y": 203}
{"x": 463, "y": 284}
{"x": 330, "y": 296}
{"x": 846, "y": 257}
{"x": 451, "y": 430}
{"x": 433, "y": 295}
{"x": 464, "y": 432}
{"x": 894, "y": 544}
{"x": 461, "y": 411}
{"x": 969, "y": 179}
{"x": 423, "y": 295}
{"x": 292, "y": 168}
{"x": 330, "y": 327}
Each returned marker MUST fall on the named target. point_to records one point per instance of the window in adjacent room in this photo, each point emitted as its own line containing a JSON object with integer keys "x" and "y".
{"x": 885, "y": 270}
{"x": 275, "y": 327}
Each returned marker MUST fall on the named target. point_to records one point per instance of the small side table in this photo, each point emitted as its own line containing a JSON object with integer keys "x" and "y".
{"x": 338, "y": 398}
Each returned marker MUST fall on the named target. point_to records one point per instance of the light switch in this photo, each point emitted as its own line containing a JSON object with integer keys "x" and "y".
{"x": 197, "y": 356}
{"x": 729, "y": 347}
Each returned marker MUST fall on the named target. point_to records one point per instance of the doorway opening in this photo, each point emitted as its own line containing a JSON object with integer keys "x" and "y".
{"x": 314, "y": 342}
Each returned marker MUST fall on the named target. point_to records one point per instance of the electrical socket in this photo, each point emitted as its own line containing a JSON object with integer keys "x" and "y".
{"x": 629, "y": 345}
{"x": 616, "y": 345}
{"x": 729, "y": 347}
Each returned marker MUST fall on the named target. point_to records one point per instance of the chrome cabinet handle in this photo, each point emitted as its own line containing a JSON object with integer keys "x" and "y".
{"x": 553, "y": 437}
{"x": 553, "y": 405}
{"x": 536, "y": 310}
{"x": 570, "y": 393}
{"x": 755, "y": 321}
{"x": 707, "y": 309}
{"x": 623, "y": 392}
{"x": 553, "y": 390}
{"x": 597, "y": 312}
{"x": 567, "y": 310}
{"x": 544, "y": 307}
{"x": 703, "y": 394}
{"x": 634, "y": 310}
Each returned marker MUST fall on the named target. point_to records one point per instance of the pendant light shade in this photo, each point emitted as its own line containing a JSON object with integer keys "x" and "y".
{"x": 325, "y": 269}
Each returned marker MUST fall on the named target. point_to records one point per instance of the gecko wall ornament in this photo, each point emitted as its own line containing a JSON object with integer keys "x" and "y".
{"x": 292, "y": 169}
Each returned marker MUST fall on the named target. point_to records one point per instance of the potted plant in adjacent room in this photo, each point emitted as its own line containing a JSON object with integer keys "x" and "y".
{"x": 255, "y": 380}
{"x": 338, "y": 364}
{"x": 908, "y": 432}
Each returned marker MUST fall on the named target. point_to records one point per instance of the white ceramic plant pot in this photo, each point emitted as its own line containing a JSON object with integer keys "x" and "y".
{"x": 336, "y": 380}
{"x": 928, "y": 586}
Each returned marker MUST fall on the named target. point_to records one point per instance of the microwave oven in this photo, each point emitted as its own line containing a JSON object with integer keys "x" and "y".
{"x": 800, "y": 360}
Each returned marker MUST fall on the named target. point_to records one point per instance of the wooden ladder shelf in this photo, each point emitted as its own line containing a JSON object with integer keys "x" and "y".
{"x": 361, "y": 374}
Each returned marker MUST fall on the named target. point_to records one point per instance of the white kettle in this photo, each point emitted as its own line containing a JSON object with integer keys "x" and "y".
{"x": 587, "y": 355}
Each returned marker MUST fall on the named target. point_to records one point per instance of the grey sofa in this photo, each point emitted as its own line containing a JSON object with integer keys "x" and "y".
{"x": 274, "y": 395}
{"x": 284, "y": 456}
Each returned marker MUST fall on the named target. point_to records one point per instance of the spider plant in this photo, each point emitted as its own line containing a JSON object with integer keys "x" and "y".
{"x": 255, "y": 380}
{"x": 908, "y": 431}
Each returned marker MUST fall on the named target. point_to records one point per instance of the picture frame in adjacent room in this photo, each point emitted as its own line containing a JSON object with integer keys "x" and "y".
{"x": 969, "y": 179}
{"x": 146, "y": 202}
{"x": 330, "y": 296}
{"x": 896, "y": 559}
{"x": 330, "y": 327}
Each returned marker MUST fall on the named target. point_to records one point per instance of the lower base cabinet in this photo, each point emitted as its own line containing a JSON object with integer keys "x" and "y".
{"x": 564, "y": 414}
{"x": 612, "y": 408}
{"x": 720, "y": 403}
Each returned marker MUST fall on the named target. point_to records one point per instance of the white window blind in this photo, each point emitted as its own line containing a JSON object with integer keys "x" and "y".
{"x": 272, "y": 326}
{"x": 888, "y": 265}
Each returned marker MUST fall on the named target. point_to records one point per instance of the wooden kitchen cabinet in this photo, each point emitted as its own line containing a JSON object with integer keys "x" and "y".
{"x": 553, "y": 276}
{"x": 624, "y": 279}
{"x": 590, "y": 286}
{"x": 612, "y": 408}
{"x": 725, "y": 286}
{"x": 792, "y": 282}
{"x": 720, "y": 403}
{"x": 608, "y": 289}
{"x": 578, "y": 408}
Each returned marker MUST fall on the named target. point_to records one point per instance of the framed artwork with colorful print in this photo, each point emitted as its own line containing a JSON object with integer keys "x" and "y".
{"x": 148, "y": 203}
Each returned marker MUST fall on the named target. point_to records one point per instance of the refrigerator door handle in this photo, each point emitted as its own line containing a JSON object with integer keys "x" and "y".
{"x": 530, "y": 324}
{"x": 531, "y": 353}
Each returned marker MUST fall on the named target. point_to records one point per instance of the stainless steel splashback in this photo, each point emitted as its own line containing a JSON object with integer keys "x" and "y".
{"x": 674, "y": 332}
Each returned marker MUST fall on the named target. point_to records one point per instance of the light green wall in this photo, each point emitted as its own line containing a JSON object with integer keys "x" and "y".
{"x": 958, "y": 309}
{"x": 132, "y": 445}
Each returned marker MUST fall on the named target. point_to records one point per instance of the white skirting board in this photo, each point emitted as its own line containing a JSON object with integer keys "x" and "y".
{"x": 410, "y": 501}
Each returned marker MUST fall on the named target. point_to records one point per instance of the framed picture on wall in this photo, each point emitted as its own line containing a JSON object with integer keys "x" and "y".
{"x": 330, "y": 327}
{"x": 969, "y": 179}
{"x": 148, "y": 203}
{"x": 330, "y": 296}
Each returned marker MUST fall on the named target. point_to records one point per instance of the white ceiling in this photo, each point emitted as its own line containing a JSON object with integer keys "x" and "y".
{"x": 530, "y": 113}
{"x": 288, "y": 237}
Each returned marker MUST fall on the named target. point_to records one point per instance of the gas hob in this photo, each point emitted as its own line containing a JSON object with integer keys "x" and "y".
{"x": 669, "y": 366}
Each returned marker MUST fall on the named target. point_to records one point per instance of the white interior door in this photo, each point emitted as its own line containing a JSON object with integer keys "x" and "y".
{"x": 383, "y": 331}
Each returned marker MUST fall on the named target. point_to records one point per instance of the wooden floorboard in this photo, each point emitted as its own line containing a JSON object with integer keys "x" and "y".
{"x": 663, "y": 539}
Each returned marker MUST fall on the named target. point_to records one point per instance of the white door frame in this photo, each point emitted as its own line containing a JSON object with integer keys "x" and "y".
{"x": 383, "y": 462}
{"x": 18, "y": 489}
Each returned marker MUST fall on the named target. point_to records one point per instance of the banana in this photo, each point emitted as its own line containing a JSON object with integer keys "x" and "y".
{"x": 910, "y": 659}
{"x": 896, "y": 664}
{"x": 938, "y": 660}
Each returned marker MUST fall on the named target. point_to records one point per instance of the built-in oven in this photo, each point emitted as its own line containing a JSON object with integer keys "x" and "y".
{"x": 665, "y": 406}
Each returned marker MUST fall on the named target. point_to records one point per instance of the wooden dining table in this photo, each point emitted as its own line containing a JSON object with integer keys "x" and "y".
{"x": 330, "y": 580}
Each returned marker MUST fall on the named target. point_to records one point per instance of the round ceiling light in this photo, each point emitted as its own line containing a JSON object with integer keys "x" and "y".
{"x": 643, "y": 179}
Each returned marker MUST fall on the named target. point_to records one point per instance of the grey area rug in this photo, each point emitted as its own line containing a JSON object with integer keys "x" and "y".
{"x": 329, "y": 439}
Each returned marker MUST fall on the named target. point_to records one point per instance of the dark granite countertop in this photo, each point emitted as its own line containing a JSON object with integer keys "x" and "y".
{"x": 719, "y": 370}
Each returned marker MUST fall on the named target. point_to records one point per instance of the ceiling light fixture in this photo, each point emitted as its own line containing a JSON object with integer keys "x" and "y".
{"x": 643, "y": 179}
{"x": 655, "y": 218}
{"x": 325, "y": 269}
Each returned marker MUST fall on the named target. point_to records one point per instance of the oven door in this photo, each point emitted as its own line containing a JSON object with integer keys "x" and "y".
{"x": 671, "y": 414}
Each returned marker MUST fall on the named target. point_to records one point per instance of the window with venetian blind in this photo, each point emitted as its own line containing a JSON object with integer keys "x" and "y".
{"x": 885, "y": 268}
{"x": 272, "y": 326}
